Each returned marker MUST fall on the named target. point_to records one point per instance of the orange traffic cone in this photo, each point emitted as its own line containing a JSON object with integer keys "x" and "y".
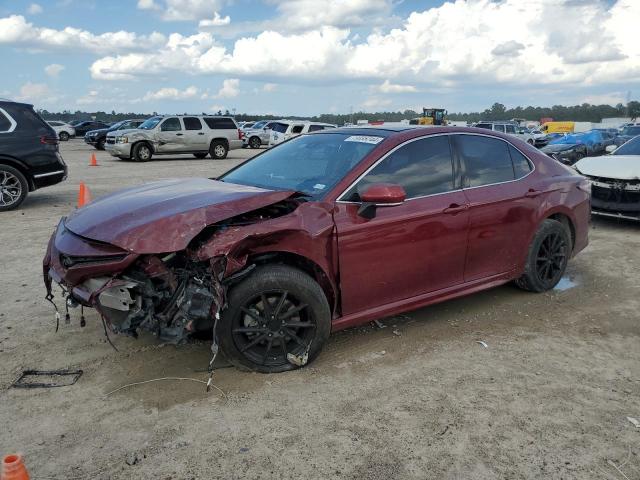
{"x": 94, "y": 161}
{"x": 13, "y": 468}
{"x": 84, "y": 195}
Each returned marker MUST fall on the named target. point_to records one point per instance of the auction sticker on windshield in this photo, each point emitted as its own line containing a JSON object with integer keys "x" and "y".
{"x": 364, "y": 139}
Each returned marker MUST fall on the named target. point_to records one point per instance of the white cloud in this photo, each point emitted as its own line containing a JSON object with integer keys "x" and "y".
{"x": 34, "y": 9}
{"x": 217, "y": 108}
{"x": 230, "y": 88}
{"x": 91, "y": 98}
{"x": 217, "y": 21}
{"x": 54, "y": 69}
{"x": 33, "y": 92}
{"x": 376, "y": 103}
{"x": 15, "y": 30}
{"x": 183, "y": 10}
{"x": 269, "y": 87}
{"x": 170, "y": 93}
{"x": 612, "y": 98}
{"x": 388, "y": 87}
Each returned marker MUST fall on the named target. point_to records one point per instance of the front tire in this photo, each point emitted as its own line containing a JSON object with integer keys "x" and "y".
{"x": 275, "y": 315}
{"x": 100, "y": 144}
{"x": 218, "y": 150}
{"x": 255, "y": 142}
{"x": 142, "y": 152}
{"x": 13, "y": 188}
{"x": 547, "y": 257}
{"x": 64, "y": 136}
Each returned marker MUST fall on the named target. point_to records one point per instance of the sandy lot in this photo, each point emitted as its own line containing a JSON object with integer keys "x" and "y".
{"x": 548, "y": 398}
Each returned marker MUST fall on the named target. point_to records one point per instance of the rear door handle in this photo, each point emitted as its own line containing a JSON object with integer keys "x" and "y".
{"x": 455, "y": 208}
{"x": 201, "y": 133}
{"x": 178, "y": 134}
{"x": 532, "y": 193}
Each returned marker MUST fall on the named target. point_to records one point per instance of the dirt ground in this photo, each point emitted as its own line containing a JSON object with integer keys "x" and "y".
{"x": 421, "y": 398}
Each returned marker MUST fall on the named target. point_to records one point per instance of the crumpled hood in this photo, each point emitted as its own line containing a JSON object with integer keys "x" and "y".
{"x": 559, "y": 147}
{"x": 621, "y": 167}
{"x": 117, "y": 133}
{"x": 165, "y": 216}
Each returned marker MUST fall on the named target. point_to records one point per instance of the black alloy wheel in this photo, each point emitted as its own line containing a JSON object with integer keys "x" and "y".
{"x": 272, "y": 325}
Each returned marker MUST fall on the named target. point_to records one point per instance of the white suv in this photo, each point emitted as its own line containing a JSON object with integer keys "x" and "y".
{"x": 200, "y": 135}
{"x": 62, "y": 129}
{"x": 285, "y": 129}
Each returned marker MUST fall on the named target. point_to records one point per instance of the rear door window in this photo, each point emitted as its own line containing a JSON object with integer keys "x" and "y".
{"x": 510, "y": 129}
{"x": 487, "y": 126}
{"x": 220, "y": 123}
{"x": 297, "y": 129}
{"x": 171, "y": 125}
{"x": 422, "y": 167}
{"x": 486, "y": 160}
{"x": 499, "y": 128}
{"x": 521, "y": 165}
{"x": 315, "y": 128}
{"x": 192, "y": 123}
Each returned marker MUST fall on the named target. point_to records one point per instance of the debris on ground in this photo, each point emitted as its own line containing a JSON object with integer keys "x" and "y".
{"x": 298, "y": 360}
{"x": 635, "y": 422}
{"x": 484, "y": 344}
{"x": 132, "y": 459}
{"x": 397, "y": 333}
{"x": 379, "y": 324}
{"x": 47, "y": 378}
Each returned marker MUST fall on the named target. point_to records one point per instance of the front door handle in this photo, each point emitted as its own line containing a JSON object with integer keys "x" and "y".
{"x": 531, "y": 193}
{"x": 201, "y": 133}
{"x": 178, "y": 134}
{"x": 455, "y": 208}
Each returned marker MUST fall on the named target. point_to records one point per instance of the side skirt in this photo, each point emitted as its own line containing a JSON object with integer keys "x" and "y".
{"x": 420, "y": 301}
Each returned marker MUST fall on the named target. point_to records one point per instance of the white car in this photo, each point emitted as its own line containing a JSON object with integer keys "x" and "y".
{"x": 615, "y": 181}
{"x": 62, "y": 129}
{"x": 509, "y": 129}
{"x": 285, "y": 129}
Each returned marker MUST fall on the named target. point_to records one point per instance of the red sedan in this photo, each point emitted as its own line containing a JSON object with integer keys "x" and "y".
{"x": 323, "y": 232}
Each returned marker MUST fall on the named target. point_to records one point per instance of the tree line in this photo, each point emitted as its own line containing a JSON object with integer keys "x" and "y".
{"x": 580, "y": 113}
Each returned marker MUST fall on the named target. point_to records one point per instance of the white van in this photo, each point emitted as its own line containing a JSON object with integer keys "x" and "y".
{"x": 285, "y": 129}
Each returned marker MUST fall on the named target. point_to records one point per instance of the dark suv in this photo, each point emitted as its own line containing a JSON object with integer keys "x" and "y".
{"x": 83, "y": 127}
{"x": 98, "y": 138}
{"x": 29, "y": 157}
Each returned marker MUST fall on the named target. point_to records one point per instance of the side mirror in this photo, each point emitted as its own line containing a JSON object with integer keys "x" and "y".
{"x": 610, "y": 148}
{"x": 380, "y": 195}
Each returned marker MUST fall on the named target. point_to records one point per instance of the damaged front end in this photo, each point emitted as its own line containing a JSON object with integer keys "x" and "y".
{"x": 615, "y": 197}
{"x": 170, "y": 295}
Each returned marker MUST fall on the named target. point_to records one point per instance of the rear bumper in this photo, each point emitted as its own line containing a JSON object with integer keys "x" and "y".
{"x": 50, "y": 174}
{"x": 234, "y": 144}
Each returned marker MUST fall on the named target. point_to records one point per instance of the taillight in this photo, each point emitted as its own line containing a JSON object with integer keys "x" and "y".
{"x": 240, "y": 134}
{"x": 45, "y": 140}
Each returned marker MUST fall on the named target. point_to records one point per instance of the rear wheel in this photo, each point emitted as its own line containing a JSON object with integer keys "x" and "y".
{"x": 277, "y": 319}
{"x": 13, "y": 188}
{"x": 530, "y": 141}
{"x": 142, "y": 152}
{"x": 547, "y": 257}
{"x": 218, "y": 150}
{"x": 200, "y": 155}
{"x": 255, "y": 142}
{"x": 64, "y": 136}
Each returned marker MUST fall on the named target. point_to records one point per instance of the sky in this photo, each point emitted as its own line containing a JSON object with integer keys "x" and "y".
{"x": 306, "y": 57}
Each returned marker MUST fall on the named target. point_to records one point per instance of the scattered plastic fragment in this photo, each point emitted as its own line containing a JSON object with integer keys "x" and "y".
{"x": 49, "y": 378}
{"x": 397, "y": 333}
{"x": 379, "y": 324}
{"x": 484, "y": 344}
{"x": 565, "y": 283}
{"x": 298, "y": 360}
{"x": 635, "y": 422}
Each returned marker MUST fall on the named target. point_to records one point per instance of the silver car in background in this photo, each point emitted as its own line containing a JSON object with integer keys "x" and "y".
{"x": 200, "y": 135}
{"x": 258, "y": 134}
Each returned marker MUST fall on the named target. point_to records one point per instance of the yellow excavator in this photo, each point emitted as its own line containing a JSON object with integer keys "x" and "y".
{"x": 430, "y": 116}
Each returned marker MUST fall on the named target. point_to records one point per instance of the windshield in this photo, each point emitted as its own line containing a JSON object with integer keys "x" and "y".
{"x": 631, "y": 131}
{"x": 117, "y": 125}
{"x": 150, "y": 123}
{"x": 632, "y": 147}
{"x": 259, "y": 124}
{"x": 311, "y": 164}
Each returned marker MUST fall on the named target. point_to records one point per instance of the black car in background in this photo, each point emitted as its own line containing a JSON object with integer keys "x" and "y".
{"x": 29, "y": 156}
{"x": 567, "y": 153}
{"x": 98, "y": 138}
{"x": 84, "y": 127}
